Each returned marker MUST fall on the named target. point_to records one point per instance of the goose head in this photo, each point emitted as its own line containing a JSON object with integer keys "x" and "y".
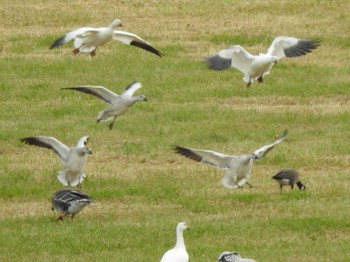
{"x": 115, "y": 23}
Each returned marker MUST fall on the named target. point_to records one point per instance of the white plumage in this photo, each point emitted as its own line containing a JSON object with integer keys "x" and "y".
{"x": 255, "y": 67}
{"x": 87, "y": 39}
{"x": 74, "y": 159}
{"x": 119, "y": 104}
{"x": 238, "y": 167}
{"x": 179, "y": 252}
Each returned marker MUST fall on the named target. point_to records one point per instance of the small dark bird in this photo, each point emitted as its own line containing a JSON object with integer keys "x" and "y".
{"x": 229, "y": 256}
{"x": 69, "y": 202}
{"x": 288, "y": 177}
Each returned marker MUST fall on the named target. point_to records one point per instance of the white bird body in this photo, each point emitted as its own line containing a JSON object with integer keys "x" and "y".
{"x": 87, "y": 39}
{"x": 69, "y": 202}
{"x": 255, "y": 67}
{"x": 73, "y": 159}
{"x": 118, "y": 104}
{"x": 179, "y": 252}
{"x": 238, "y": 167}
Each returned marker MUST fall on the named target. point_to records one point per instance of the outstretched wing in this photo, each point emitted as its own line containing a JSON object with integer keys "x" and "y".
{"x": 234, "y": 56}
{"x": 261, "y": 152}
{"x": 132, "y": 39}
{"x": 205, "y": 156}
{"x": 81, "y": 32}
{"x": 48, "y": 142}
{"x": 131, "y": 89}
{"x": 98, "y": 91}
{"x": 285, "y": 46}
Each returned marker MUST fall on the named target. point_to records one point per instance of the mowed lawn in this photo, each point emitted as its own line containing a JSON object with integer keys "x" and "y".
{"x": 141, "y": 187}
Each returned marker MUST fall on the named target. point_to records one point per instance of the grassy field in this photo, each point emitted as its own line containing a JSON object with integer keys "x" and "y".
{"x": 141, "y": 187}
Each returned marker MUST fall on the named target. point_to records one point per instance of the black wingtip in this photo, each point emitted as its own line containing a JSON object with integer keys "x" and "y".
{"x": 27, "y": 140}
{"x": 147, "y": 48}
{"x": 58, "y": 42}
{"x": 187, "y": 153}
{"x": 302, "y": 48}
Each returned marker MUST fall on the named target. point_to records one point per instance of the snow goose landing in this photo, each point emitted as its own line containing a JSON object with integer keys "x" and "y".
{"x": 288, "y": 177}
{"x": 87, "y": 39}
{"x": 228, "y": 256}
{"x": 69, "y": 202}
{"x": 119, "y": 104}
{"x": 73, "y": 159}
{"x": 255, "y": 67}
{"x": 178, "y": 253}
{"x": 238, "y": 167}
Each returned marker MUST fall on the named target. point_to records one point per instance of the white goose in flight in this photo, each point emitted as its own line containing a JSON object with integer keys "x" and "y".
{"x": 73, "y": 159}
{"x": 255, "y": 67}
{"x": 87, "y": 39}
{"x": 238, "y": 167}
{"x": 119, "y": 104}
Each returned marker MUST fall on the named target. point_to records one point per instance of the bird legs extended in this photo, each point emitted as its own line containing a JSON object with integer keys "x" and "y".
{"x": 77, "y": 51}
{"x": 112, "y": 124}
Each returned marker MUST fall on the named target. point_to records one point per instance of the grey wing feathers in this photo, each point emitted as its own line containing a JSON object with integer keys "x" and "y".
{"x": 188, "y": 153}
{"x": 261, "y": 152}
{"x": 69, "y": 195}
{"x": 217, "y": 62}
{"x": 98, "y": 91}
{"x": 47, "y": 142}
{"x": 131, "y": 89}
{"x": 205, "y": 156}
{"x": 301, "y": 48}
{"x": 290, "y": 174}
{"x": 71, "y": 35}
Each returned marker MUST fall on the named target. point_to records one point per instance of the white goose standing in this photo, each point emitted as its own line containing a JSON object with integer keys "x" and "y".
{"x": 179, "y": 252}
{"x": 87, "y": 39}
{"x": 119, "y": 104}
{"x": 73, "y": 159}
{"x": 255, "y": 67}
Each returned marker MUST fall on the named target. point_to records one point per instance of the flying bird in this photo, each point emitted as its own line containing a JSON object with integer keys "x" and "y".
{"x": 87, "y": 39}
{"x": 179, "y": 252}
{"x": 69, "y": 202}
{"x": 238, "y": 167}
{"x": 119, "y": 104}
{"x": 288, "y": 177}
{"x": 255, "y": 67}
{"x": 228, "y": 256}
{"x": 73, "y": 159}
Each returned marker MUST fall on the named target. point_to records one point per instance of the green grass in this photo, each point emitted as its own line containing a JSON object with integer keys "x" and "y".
{"x": 142, "y": 189}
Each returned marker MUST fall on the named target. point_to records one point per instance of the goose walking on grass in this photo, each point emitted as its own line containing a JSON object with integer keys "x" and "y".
{"x": 288, "y": 177}
{"x": 179, "y": 252}
{"x": 255, "y": 67}
{"x": 238, "y": 167}
{"x": 119, "y": 104}
{"x": 74, "y": 159}
{"x": 228, "y": 256}
{"x": 87, "y": 39}
{"x": 69, "y": 202}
